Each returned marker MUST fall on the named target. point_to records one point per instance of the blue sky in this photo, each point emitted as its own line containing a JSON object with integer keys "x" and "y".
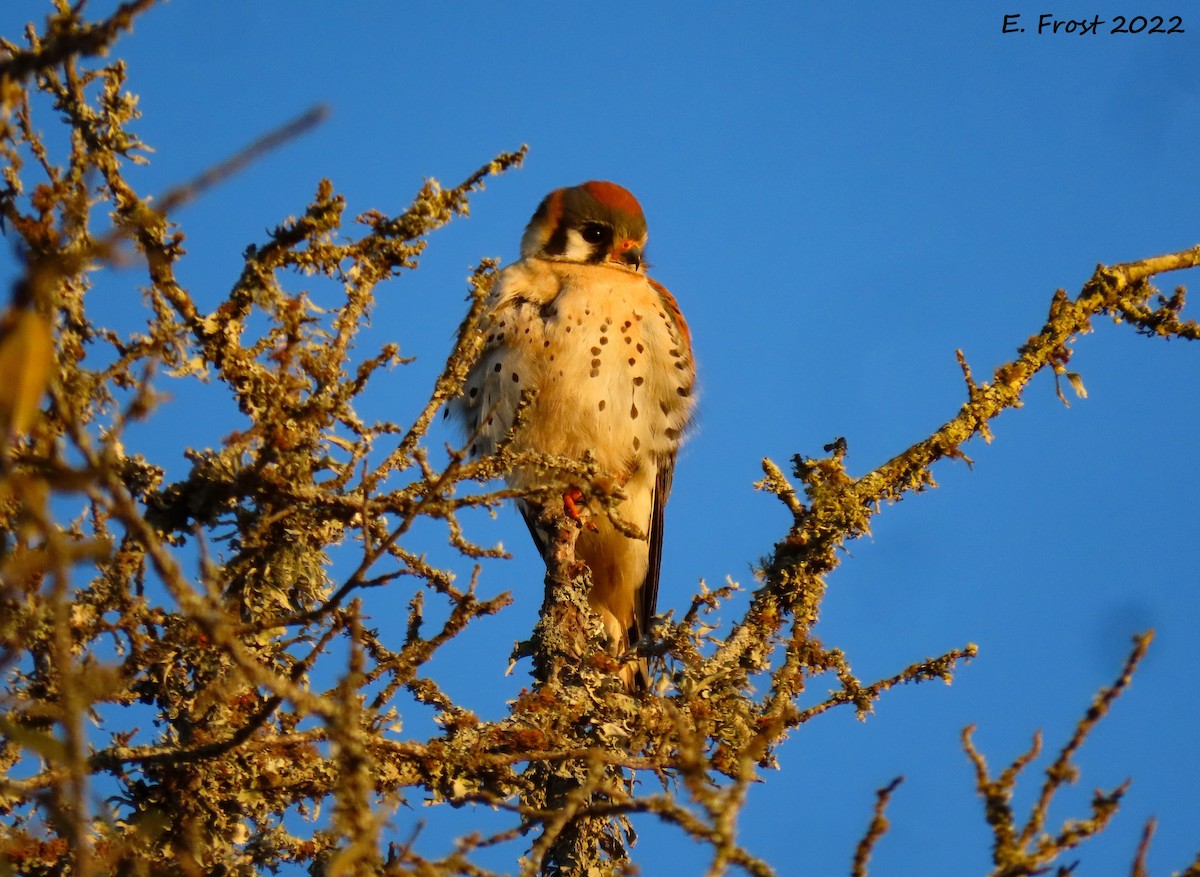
{"x": 839, "y": 195}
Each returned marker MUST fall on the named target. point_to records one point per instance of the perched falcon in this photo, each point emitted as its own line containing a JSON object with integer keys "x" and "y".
{"x": 609, "y": 355}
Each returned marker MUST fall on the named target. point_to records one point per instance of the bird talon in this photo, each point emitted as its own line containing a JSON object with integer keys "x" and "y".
{"x": 573, "y": 505}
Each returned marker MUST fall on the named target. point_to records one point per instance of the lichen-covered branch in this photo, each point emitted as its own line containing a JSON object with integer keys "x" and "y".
{"x": 1029, "y": 849}
{"x": 876, "y": 830}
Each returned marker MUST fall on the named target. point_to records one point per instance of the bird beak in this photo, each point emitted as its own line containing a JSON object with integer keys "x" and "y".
{"x": 629, "y": 253}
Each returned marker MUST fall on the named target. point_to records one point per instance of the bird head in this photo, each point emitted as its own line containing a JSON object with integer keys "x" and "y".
{"x": 596, "y": 222}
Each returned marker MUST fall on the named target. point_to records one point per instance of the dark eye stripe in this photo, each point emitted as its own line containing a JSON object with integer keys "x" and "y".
{"x": 557, "y": 244}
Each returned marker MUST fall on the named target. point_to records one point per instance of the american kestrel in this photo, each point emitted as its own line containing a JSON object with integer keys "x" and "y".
{"x": 609, "y": 355}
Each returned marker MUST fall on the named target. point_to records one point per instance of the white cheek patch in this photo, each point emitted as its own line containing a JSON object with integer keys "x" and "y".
{"x": 577, "y": 249}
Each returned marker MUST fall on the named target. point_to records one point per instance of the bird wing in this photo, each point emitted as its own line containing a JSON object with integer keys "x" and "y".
{"x": 530, "y": 514}
{"x": 648, "y": 598}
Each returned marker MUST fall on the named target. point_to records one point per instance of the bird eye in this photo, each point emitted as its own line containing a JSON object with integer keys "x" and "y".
{"x": 594, "y": 233}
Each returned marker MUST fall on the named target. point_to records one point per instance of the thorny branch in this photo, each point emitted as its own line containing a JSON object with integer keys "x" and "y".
{"x": 163, "y": 636}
